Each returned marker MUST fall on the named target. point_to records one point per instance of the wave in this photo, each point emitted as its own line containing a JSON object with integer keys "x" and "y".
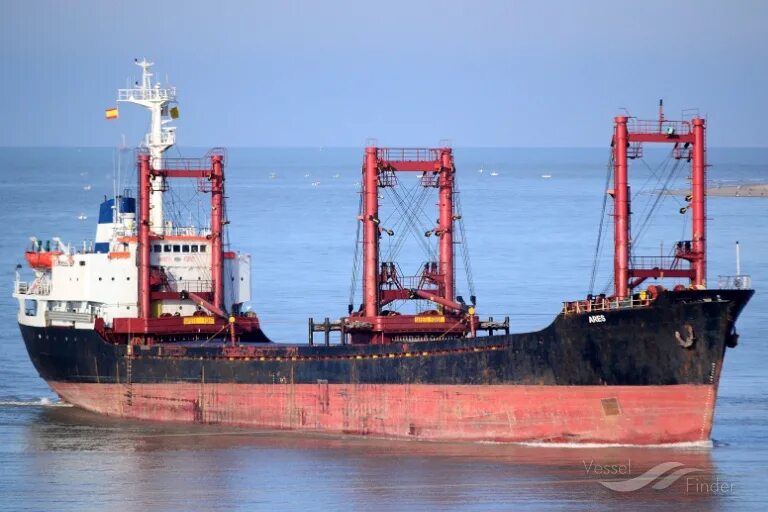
{"x": 40, "y": 402}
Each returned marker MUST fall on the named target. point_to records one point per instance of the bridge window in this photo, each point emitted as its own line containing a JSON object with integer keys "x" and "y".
{"x": 202, "y": 248}
{"x": 184, "y": 248}
{"x": 166, "y": 248}
{"x": 157, "y": 248}
{"x": 194, "y": 248}
{"x": 30, "y": 307}
{"x": 176, "y": 248}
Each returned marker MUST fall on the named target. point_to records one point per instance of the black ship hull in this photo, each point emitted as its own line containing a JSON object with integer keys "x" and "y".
{"x": 640, "y": 375}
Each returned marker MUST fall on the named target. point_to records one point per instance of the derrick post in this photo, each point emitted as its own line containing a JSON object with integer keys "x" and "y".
{"x": 698, "y": 205}
{"x": 445, "y": 219}
{"x": 620, "y": 209}
{"x": 143, "y": 235}
{"x": 370, "y": 222}
{"x": 217, "y": 220}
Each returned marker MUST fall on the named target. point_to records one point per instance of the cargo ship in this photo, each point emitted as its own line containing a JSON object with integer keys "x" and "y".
{"x": 149, "y": 322}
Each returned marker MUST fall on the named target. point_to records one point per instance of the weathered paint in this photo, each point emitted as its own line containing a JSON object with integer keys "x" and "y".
{"x": 576, "y": 414}
{"x": 536, "y": 386}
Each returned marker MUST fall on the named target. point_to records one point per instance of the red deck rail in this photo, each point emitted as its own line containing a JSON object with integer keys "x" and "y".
{"x": 409, "y": 154}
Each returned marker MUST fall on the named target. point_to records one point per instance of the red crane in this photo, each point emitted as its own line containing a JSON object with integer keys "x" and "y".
{"x": 382, "y": 281}
{"x": 689, "y": 143}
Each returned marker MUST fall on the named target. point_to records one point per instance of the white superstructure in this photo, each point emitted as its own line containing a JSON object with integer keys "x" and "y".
{"x": 72, "y": 286}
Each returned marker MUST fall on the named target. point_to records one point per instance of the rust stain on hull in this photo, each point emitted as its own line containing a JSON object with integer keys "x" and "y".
{"x": 574, "y": 414}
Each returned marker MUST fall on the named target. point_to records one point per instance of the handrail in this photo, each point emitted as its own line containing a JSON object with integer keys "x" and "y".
{"x": 660, "y": 262}
{"x": 409, "y": 154}
{"x": 146, "y": 94}
{"x": 186, "y": 164}
{"x": 37, "y": 287}
{"x": 605, "y": 304}
{"x": 659, "y": 127}
{"x": 739, "y": 282}
{"x": 194, "y": 286}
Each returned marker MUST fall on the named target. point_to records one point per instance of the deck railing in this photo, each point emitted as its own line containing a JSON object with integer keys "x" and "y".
{"x": 659, "y": 127}
{"x": 32, "y": 288}
{"x": 409, "y": 154}
{"x": 146, "y": 94}
{"x": 740, "y": 282}
{"x": 194, "y": 286}
{"x": 606, "y": 304}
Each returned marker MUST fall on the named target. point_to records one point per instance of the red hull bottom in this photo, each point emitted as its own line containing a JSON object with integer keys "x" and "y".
{"x": 504, "y": 413}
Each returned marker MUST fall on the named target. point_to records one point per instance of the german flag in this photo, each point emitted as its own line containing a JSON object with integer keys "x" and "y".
{"x": 111, "y": 113}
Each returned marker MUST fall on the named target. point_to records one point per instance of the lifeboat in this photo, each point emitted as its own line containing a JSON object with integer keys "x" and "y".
{"x": 41, "y": 260}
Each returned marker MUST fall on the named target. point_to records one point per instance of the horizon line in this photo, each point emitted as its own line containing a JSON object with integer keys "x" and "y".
{"x": 322, "y": 147}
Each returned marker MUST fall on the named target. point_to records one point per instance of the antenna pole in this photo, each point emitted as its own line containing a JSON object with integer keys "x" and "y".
{"x": 160, "y": 136}
{"x": 661, "y": 115}
{"x": 738, "y": 259}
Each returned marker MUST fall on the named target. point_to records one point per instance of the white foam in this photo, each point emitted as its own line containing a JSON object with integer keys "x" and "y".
{"x": 40, "y": 402}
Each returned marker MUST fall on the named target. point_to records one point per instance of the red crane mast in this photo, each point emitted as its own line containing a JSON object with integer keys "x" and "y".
{"x": 689, "y": 143}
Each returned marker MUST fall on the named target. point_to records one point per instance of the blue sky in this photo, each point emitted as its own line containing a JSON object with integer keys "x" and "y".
{"x": 335, "y": 73}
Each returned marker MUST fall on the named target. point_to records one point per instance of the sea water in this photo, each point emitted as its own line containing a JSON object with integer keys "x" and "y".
{"x": 531, "y": 219}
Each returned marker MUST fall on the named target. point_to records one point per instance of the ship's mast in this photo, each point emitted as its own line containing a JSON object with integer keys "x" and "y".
{"x": 160, "y": 136}
{"x": 687, "y": 137}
